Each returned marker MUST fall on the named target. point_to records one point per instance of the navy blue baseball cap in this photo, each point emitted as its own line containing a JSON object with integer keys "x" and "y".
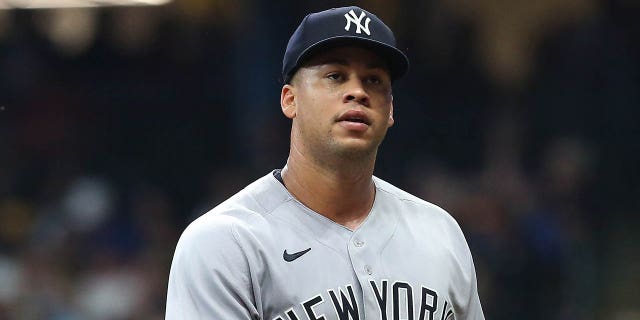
{"x": 342, "y": 26}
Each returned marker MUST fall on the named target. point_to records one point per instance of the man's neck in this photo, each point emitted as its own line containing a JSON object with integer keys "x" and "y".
{"x": 344, "y": 195}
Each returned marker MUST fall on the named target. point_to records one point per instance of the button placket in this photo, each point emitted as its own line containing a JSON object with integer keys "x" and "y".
{"x": 368, "y": 270}
{"x": 360, "y": 256}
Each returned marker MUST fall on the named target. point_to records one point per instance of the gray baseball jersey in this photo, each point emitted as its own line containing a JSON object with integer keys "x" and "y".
{"x": 264, "y": 255}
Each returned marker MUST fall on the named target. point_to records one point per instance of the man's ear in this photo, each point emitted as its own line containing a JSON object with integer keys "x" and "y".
{"x": 288, "y": 101}
{"x": 390, "y": 121}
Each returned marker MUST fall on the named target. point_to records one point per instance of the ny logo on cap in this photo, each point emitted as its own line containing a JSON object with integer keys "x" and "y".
{"x": 352, "y": 17}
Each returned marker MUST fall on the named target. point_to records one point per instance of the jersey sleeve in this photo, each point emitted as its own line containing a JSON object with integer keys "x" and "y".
{"x": 209, "y": 277}
{"x": 468, "y": 304}
{"x": 474, "y": 308}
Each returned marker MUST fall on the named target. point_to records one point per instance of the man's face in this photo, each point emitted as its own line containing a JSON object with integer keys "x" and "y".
{"x": 340, "y": 102}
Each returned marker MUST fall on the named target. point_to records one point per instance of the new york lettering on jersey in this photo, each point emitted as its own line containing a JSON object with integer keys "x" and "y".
{"x": 395, "y": 300}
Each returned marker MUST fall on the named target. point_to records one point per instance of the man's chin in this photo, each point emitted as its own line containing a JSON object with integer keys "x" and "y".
{"x": 356, "y": 148}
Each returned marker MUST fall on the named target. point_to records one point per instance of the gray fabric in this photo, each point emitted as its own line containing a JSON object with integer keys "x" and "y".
{"x": 229, "y": 263}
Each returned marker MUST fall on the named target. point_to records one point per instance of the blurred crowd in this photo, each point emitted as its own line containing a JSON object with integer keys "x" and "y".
{"x": 119, "y": 126}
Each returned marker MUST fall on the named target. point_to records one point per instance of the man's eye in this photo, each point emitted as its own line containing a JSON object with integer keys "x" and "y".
{"x": 374, "y": 80}
{"x": 334, "y": 76}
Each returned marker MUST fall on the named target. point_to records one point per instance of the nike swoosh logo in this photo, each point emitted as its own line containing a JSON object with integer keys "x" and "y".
{"x": 290, "y": 257}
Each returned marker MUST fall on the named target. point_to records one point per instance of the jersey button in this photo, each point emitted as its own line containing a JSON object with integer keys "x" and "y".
{"x": 368, "y": 270}
{"x": 358, "y": 243}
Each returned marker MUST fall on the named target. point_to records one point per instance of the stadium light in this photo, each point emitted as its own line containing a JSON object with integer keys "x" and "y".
{"x": 43, "y": 4}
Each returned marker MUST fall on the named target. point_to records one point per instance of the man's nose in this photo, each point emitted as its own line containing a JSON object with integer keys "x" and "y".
{"x": 355, "y": 91}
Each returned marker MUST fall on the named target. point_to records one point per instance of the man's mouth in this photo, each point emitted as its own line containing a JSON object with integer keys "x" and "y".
{"x": 355, "y": 116}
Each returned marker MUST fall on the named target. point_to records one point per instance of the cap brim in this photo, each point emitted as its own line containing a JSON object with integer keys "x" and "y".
{"x": 397, "y": 60}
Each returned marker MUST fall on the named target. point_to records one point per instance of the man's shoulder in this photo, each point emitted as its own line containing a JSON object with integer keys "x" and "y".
{"x": 402, "y": 195}
{"x": 420, "y": 208}
{"x": 260, "y": 197}
{"x": 249, "y": 206}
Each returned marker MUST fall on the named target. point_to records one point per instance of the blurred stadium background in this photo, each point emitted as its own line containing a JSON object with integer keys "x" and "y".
{"x": 120, "y": 125}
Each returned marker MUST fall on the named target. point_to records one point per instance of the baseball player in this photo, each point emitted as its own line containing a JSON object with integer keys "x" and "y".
{"x": 323, "y": 238}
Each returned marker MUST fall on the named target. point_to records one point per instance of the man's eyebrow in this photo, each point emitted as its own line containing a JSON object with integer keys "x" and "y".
{"x": 333, "y": 60}
{"x": 377, "y": 65}
{"x": 344, "y": 62}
